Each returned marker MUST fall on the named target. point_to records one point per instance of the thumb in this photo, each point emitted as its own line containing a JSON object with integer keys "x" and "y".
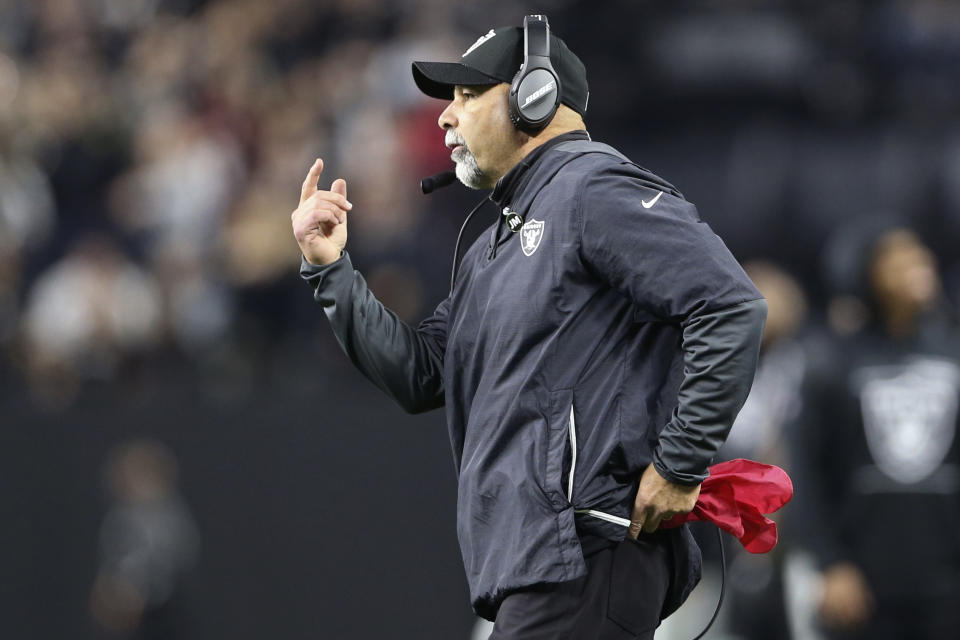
{"x": 339, "y": 186}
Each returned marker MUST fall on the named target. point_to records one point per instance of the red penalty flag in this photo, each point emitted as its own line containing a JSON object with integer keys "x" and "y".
{"x": 736, "y": 496}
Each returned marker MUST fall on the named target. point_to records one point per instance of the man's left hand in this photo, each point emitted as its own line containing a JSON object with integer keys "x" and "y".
{"x": 659, "y": 499}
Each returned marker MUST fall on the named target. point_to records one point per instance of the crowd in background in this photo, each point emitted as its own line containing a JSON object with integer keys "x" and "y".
{"x": 147, "y": 155}
{"x": 152, "y": 150}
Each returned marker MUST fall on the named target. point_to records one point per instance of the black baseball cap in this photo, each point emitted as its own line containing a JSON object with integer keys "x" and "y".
{"x": 496, "y": 57}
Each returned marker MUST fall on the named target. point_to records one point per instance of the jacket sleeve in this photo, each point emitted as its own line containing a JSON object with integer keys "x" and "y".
{"x": 404, "y": 362}
{"x": 674, "y": 269}
{"x": 720, "y": 350}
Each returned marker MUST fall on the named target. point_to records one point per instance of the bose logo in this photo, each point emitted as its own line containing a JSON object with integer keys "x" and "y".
{"x": 539, "y": 93}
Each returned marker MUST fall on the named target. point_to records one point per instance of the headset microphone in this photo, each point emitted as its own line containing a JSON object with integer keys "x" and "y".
{"x": 427, "y": 185}
{"x": 442, "y": 179}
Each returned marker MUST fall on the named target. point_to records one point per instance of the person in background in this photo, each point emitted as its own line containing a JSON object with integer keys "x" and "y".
{"x": 757, "y": 609}
{"x": 876, "y": 458}
{"x": 91, "y": 315}
{"x": 148, "y": 544}
{"x": 754, "y": 607}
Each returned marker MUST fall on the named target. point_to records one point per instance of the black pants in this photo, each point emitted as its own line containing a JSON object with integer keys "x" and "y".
{"x": 621, "y": 597}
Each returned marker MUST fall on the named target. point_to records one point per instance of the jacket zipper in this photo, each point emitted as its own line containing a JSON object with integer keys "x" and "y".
{"x": 624, "y": 522}
{"x": 573, "y": 455}
{"x": 494, "y": 239}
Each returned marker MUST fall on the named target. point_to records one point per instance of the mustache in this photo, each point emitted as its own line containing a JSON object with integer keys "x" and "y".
{"x": 453, "y": 138}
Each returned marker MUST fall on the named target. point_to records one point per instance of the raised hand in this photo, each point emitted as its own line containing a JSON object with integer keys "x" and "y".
{"x": 320, "y": 222}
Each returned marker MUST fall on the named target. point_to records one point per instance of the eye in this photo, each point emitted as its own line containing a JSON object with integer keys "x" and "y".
{"x": 467, "y": 94}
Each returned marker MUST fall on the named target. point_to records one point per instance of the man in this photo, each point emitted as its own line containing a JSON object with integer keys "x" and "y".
{"x": 877, "y": 447}
{"x": 755, "y": 592}
{"x": 590, "y": 367}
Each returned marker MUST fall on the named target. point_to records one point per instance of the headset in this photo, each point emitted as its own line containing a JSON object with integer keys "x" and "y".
{"x": 535, "y": 89}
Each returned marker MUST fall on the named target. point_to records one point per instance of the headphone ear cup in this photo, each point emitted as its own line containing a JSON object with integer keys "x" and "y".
{"x": 537, "y": 96}
{"x": 534, "y": 98}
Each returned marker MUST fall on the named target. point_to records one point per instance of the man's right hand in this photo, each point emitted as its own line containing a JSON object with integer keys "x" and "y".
{"x": 320, "y": 222}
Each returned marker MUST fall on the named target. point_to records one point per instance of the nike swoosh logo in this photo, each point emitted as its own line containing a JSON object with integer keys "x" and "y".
{"x": 647, "y": 205}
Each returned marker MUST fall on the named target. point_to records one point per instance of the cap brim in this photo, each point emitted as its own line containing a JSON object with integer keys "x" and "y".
{"x": 437, "y": 79}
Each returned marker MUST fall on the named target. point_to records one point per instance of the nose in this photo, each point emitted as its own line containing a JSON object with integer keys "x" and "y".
{"x": 448, "y": 118}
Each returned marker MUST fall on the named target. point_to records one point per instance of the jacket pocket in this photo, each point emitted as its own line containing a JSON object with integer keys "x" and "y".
{"x": 559, "y": 463}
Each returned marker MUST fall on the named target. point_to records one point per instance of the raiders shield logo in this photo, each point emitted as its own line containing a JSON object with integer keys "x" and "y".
{"x": 530, "y": 235}
{"x": 909, "y": 414}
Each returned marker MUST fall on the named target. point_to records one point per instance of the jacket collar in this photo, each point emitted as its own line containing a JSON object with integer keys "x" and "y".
{"x": 511, "y": 182}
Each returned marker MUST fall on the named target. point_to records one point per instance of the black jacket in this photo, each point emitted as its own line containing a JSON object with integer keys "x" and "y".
{"x": 876, "y": 461}
{"x": 614, "y": 329}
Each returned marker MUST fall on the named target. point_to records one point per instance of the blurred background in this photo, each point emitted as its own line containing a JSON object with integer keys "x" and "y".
{"x": 184, "y": 450}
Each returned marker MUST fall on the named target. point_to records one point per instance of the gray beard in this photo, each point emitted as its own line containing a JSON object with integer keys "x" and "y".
{"x": 468, "y": 172}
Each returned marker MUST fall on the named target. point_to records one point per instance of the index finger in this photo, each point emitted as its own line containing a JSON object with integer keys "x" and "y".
{"x": 636, "y": 523}
{"x": 309, "y": 186}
